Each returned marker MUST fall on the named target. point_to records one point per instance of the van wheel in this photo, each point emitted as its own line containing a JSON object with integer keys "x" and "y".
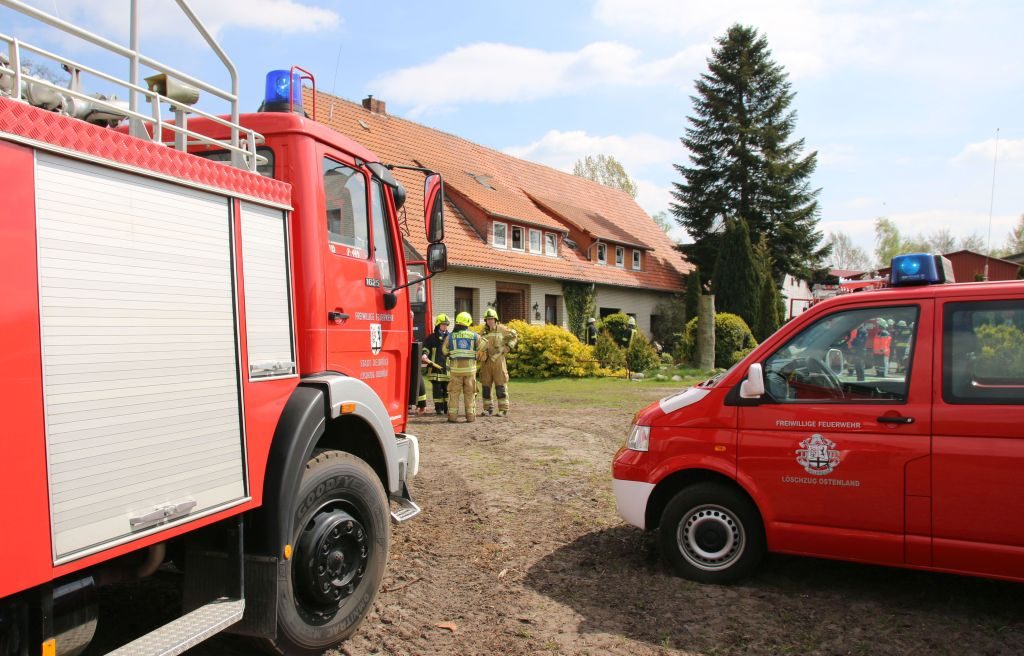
{"x": 712, "y": 533}
{"x": 340, "y": 541}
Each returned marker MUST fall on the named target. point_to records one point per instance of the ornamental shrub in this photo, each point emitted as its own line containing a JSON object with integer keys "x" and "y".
{"x": 608, "y": 353}
{"x": 1000, "y": 352}
{"x": 617, "y": 324}
{"x": 640, "y": 356}
{"x": 548, "y": 351}
{"x": 732, "y": 338}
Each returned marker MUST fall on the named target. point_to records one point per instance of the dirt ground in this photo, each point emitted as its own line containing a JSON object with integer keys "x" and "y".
{"x": 519, "y": 551}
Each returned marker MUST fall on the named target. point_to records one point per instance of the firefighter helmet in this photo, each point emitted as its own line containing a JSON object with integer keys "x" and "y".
{"x": 490, "y": 313}
{"x": 591, "y": 320}
{"x": 464, "y": 319}
{"x": 441, "y": 318}
{"x": 632, "y": 321}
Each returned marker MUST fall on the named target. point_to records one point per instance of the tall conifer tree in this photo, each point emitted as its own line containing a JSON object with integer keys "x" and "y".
{"x": 743, "y": 162}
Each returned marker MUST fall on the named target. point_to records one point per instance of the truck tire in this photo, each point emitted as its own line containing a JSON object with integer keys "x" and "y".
{"x": 340, "y": 542}
{"x": 712, "y": 533}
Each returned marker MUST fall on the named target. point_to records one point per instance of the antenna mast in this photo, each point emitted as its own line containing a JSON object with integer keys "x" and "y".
{"x": 991, "y": 203}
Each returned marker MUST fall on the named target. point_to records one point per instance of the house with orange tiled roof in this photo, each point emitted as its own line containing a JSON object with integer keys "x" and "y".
{"x": 517, "y": 230}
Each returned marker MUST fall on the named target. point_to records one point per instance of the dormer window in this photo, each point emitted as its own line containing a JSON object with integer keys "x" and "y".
{"x": 535, "y": 241}
{"x": 636, "y": 260}
{"x": 517, "y": 238}
{"x": 602, "y": 254}
{"x": 500, "y": 235}
{"x": 620, "y": 256}
{"x": 550, "y": 244}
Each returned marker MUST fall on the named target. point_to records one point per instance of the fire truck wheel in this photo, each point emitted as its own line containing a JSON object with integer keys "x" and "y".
{"x": 340, "y": 549}
{"x": 712, "y": 533}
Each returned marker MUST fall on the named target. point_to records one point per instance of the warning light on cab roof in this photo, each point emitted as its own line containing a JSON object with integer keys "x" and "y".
{"x": 920, "y": 269}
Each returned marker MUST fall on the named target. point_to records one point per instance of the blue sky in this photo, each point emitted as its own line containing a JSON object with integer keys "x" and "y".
{"x": 900, "y": 99}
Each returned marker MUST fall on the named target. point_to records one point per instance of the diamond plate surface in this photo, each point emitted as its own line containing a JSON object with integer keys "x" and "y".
{"x": 187, "y": 631}
{"x": 29, "y": 122}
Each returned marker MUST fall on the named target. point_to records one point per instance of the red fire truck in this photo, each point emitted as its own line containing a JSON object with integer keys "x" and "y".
{"x": 208, "y": 357}
{"x": 915, "y": 463}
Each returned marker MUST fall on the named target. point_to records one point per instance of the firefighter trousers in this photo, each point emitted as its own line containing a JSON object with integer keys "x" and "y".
{"x": 501, "y": 391}
{"x": 462, "y": 385}
{"x": 439, "y": 392}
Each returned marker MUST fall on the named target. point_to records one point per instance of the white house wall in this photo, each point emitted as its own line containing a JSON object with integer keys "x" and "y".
{"x": 639, "y": 302}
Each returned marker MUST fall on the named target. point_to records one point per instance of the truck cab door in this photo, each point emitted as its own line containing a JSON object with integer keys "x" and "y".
{"x": 365, "y": 339}
{"x": 838, "y": 447}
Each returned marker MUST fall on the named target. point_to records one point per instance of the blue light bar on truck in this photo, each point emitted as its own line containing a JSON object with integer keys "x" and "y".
{"x": 279, "y": 84}
{"x": 920, "y": 269}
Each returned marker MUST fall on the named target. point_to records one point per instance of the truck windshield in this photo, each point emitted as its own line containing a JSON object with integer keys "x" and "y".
{"x": 266, "y": 170}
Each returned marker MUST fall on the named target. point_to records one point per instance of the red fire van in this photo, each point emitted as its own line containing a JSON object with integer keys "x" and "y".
{"x": 881, "y": 427}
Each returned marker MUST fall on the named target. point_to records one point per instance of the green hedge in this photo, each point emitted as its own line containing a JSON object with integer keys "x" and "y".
{"x": 733, "y": 340}
{"x": 549, "y": 351}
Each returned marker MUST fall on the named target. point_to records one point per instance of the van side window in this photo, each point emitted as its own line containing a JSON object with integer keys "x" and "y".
{"x": 848, "y": 356}
{"x": 983, "y": 352}
{"x": 345, "y": 200}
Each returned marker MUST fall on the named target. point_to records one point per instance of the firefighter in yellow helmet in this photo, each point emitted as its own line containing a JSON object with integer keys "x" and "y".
{"x": 463, "y": 347}
{"x": 435, "y": 366}
{"x": 500, "y": 340}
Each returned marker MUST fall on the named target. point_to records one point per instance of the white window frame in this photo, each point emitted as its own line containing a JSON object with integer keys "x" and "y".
{"x": 637, "y": 259}
{"x": 620, "y": 257}
{"x": 504, "y": 236}
{"x": 553, "y": 251}
{"x": 522, "y": 239}
{"x": 540, "y": 241}
{"x": 602, "y": 253}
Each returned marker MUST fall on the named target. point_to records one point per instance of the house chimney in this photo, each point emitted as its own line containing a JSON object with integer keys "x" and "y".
{"x": 374, "y": 105}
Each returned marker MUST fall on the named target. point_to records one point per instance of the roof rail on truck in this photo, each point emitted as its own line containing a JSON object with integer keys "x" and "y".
{"x": 72, "y": 101}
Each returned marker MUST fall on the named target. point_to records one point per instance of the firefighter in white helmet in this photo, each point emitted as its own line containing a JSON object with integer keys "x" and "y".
{"x": 493, "y": 371}
{"x": 463, "y": 347}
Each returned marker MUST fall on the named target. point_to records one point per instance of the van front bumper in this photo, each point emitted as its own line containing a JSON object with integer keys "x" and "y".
{"x": 631, "y": 500}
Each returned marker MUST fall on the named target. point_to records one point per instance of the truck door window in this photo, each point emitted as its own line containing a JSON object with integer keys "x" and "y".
{"x": 852, "y": 355}
{"x": 382, "y": 252}
{"x": 983, "y": 352}
{"x": 345, "y": 196}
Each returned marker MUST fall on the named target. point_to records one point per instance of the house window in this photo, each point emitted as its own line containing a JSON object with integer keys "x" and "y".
{"x": 500, "y": 238}
{"x": 550, "y": 244}
{"x": 517, "y": 238}
{"x": 605, "y": 311}
{"x": 620, "y": 256}
{"x": 551, "y": 309}
{"x": 463, "y": 300}
{"x": 636, "y": 260}
{"x": 602, "y": 254}
{"x": 535, "y": 241}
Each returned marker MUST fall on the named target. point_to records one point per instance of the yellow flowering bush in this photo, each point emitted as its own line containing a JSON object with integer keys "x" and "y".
{"x": 548, "y": 351}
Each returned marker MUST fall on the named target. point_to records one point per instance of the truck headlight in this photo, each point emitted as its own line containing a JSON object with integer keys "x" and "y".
{"x": 639, "y": 438}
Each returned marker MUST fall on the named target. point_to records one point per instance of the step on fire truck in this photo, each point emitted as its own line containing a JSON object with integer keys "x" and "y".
{"x": 208, "y": 356}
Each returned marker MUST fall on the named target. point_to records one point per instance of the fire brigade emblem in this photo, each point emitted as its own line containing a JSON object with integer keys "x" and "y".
{"x": 376, "y": 338}
{"x": 818, "y": 455}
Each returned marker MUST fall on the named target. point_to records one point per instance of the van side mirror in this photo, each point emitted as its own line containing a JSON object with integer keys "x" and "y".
{"x": 437, "y": 258}
{"x": 753, "y": 386}
{"x": 433, "y": 208}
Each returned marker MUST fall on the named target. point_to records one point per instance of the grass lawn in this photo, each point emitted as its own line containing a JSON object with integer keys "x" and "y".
{"x": 615, "y": 393}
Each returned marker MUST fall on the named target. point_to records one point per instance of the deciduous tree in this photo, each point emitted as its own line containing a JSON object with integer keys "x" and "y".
{"x": 605, "y": 170}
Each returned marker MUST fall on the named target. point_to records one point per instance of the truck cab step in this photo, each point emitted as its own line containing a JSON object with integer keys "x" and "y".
{"x": 187, "y": 631}
{"x": 406, "y": 509}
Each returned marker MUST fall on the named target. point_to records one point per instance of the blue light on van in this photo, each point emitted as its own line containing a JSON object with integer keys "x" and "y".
{"x": 279, "y": 86}
{"x": 920, "y": 269}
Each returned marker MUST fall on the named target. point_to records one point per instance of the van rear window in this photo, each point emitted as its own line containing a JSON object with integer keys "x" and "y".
{"x": 983, "y": 352}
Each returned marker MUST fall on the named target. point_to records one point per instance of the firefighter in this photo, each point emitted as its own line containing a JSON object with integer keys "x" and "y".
{"x": 591, "y": 331}
{"x": 882, "y": 346}
{"x": 858, "y": 343}
{"x": 435, "y": 365}
{"x": 500, "y": 340}
{"x": 627, "y": 337}
{"x": 462, "y": 347}
{"x": 901, "y": 339}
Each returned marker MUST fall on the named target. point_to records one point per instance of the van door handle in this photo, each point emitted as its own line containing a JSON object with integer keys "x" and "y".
{"x": 895, "y": 420}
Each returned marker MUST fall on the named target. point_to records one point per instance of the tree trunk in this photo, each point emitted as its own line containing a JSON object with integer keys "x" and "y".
{"x": 706, "y": 333}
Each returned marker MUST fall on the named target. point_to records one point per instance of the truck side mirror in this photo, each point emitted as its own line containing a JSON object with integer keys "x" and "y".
{"x": 390, "y": 300}
{"x": 753, "y": 386}
{"x": 433, "y": 208}
{"x": 437, "y": 258}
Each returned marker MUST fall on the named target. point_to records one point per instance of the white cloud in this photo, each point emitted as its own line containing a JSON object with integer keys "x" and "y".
{"x": 561, "y": 150}
{"x": 162, "y": 19}
{"x": 498, "y": 73}
{"x": 1010, "y": 150}
{"x": 808, "y": 37}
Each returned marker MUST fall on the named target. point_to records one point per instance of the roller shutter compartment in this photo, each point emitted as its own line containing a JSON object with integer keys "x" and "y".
{"x": 140, "y": 362}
